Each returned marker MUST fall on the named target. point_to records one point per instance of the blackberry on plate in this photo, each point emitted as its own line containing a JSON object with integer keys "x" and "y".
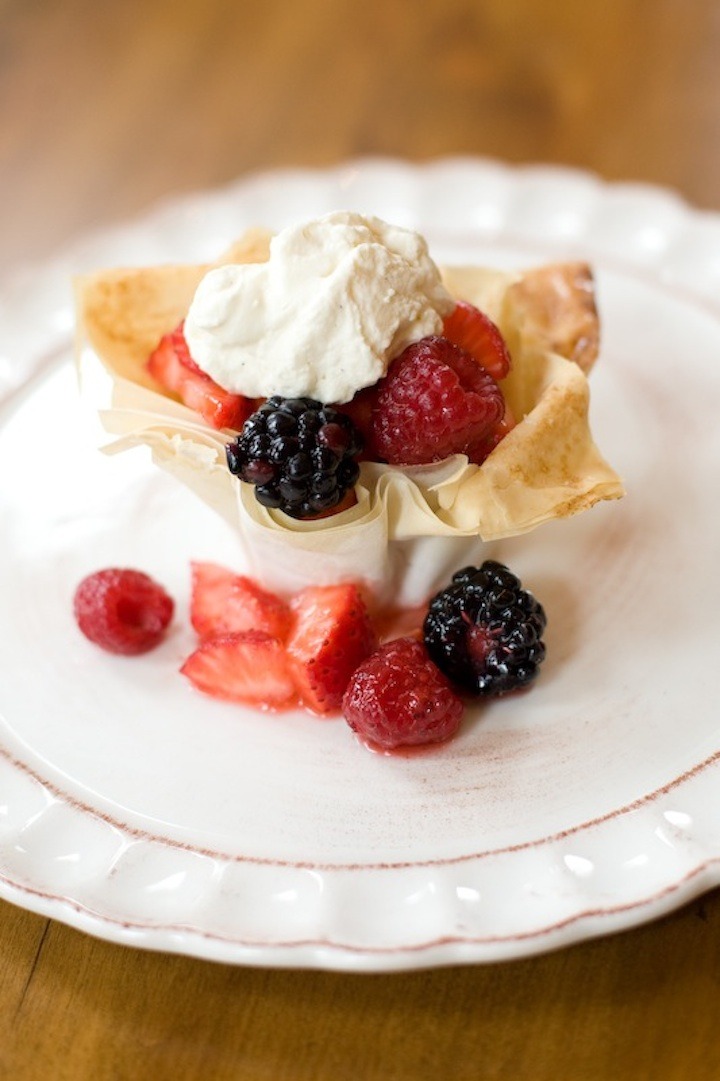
{"x": 298, "y": 453}
{"x": 484, "y": 631}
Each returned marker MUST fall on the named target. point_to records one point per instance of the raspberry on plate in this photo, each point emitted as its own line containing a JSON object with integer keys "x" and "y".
{"x": 435, "y": 400}
{"x": 122, "y": 610}
{"x": 485, "y": 631}
{"x": 398, "y": 697}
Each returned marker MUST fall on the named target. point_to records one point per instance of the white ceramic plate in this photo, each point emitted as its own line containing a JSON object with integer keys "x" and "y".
{"x": 139, "y": 811}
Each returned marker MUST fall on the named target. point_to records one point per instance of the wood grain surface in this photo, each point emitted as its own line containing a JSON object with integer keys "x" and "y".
{"x": 107, "y": 107}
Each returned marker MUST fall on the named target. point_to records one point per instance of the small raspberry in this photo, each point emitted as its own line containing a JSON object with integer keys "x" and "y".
{"x": 398, "y": 697}
{"x": 435, "y": 400}
{"x": 122, "y": 610}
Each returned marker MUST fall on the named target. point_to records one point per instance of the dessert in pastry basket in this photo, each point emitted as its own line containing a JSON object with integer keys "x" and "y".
{"x": 366, "y": 421}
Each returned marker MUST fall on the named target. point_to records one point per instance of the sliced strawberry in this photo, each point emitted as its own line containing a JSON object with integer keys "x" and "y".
{"x": 250, "y": 667}
{"x": 224, "y": 602}
{"x": 173, "y": 367}
{"x": 331, "y": 637}
{"x": 476, "y": 333}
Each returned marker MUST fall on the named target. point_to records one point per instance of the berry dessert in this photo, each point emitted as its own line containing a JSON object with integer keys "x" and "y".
{"x": 442, "y": 407}
{"x": 365, "y": 420}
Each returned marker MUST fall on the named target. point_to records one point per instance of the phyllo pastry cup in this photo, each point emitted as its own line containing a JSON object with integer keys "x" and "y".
{"x": 411, "y": 526}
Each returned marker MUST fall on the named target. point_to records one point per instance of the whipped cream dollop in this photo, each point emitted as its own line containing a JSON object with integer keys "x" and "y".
{"x": 337, "y": 300}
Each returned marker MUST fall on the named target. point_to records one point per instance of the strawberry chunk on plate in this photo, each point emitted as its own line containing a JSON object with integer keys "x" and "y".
{"x": 171, "y": 365}
{"x": 332, "y": 635}
{"x": 223, "y": 602}
{"x": 249, "y": 667}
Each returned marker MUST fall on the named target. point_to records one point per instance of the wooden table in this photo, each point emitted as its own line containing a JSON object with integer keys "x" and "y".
{"x": 106, "y": 108}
